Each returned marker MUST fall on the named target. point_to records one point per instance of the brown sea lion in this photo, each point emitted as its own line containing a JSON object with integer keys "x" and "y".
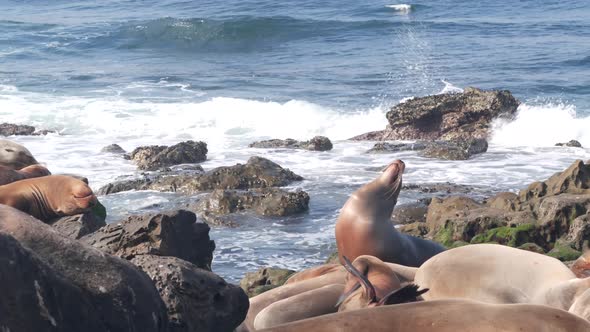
{"x": 313, "y": 272}
{"x": 9, "y": 175}
{"x": 259, "y": 302}
{"x": 369, "y": 282}
{"x": 364, "y": 226}
{"x": 581, "y": 267}
{"x": 500, "y": 274}
{"x": 443, "y": 316}
{"x": 48, "y": 197}
{"x": 14, "y": 155}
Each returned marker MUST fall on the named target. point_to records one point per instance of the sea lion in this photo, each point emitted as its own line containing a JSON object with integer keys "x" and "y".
{"x": 369, "y": 282}
{"x": 9, "y": 175}
{"x": 313, "y": 272}
{"x": 494, "y": 273}
{"x": 14, "y": 155}
{"x": 48, "y": 197}
{"x": 364, "y": 226}
{"x": 443, "y": 316}
{"x": 581, "y": 267}
{"x": 259, "y": 302}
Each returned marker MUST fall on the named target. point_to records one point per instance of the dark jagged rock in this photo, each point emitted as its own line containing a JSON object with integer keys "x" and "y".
{"x": 256, "y": 173}
{"x": 449, "y": 150}
{"x": 264, "y": 201}
{"x": 174, "y": 233}
{"x": 35, "y": 298}
{"x": 572, "y": 143}
{"x": 154, "y": 157}
{"x": 196, "y": 299}
{"x": 446, "y": 117}
{"x": 409, "y": 213}
{"x": 318, "y": 143}
{"x": 113, "y": 148}
{"x": 255, "y": 283}
{"x": 78, "y": 225}
{"x": 123, "y": 296}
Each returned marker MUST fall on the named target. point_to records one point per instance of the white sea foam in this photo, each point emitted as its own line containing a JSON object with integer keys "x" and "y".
{"x": 402, "y": 8}
{"x": 542, "y": 126}
{"x": 449, "y": 88}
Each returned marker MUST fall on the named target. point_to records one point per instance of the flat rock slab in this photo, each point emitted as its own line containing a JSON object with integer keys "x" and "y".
{"x": 318, "y": 143}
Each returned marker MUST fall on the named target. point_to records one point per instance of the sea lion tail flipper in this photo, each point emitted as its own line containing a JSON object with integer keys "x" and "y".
{"x": 369, "y": 289}
{"x": 405, "y": 294}
{"x": 346, "y": 294}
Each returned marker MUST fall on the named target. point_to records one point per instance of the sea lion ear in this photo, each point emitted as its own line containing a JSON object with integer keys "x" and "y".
{"x": 405, "y": 294}
{"x": 367, "y": 285}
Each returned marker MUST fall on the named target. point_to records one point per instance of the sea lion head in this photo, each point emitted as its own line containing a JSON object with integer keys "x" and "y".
{"x": 14, "y": 155}
{"x": 73, "y": 197}
{"x": 380, "y": 195}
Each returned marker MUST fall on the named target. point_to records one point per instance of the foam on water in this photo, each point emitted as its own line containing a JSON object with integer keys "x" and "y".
{"x": 542, "y": 126}
{"x": 403, "y": 8}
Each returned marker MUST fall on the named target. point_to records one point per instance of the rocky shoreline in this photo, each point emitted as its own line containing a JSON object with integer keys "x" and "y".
{"x": 152, "y": 272}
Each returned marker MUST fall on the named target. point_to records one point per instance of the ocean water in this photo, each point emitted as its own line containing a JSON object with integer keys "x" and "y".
{"x": 232, "y": 72}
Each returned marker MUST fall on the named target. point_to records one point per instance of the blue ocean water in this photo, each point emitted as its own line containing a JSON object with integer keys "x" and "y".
{"x": 231, "y": 72}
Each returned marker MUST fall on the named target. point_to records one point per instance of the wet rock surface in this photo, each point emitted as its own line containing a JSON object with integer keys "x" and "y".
{"x": 256, "y": 173}
{"x": 10, "y": 129}
{"x": 151, "y": 158}
{"x": 79, "y": 225}
{"x": 573, "y": 143}
{"x": 195, "y": 299}
{"x": 113, "y": 148}
{"x": 255, "y": 283}
{"x": 448, "y": 150}
{"x": 122, "y": 296}
{"x": 318, "y": 143}
{"x": 454, "y": 116}
{"x": 174, "y": 233}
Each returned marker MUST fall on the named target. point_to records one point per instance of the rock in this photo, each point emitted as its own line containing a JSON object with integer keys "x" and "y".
{"x": 9, "y": 129}
{"x": 14, "y": 155}
{"x": 154, "y": 157}
{"x": 506, "y": 201}
{"x": 174, "y": 233}
{"x": 78, "y": 225}
{"x": 196, "y": 299}
{"x": 514, "y": 236}
{"x": 532, "y": 247}
{"x": 113, "y": 148}
{"x": 255, "y": 283}
{"x": 35, "y": 298}
{"x": 256, "y": 173}
{"x": 564, "y": 252}
{"x": 418, "y": 229}
{"x": 572, "y": 143}
{"x": 578, "y": 234}
{"x": 409, "y": 213}
{"x": 387, "y": 147}
{"x": 123, "y": 297}
{"x": 555, "y": 214}
{"x": 455, "y": 150}
{"x": 454, "y": 116}
{"x": 574, "y": 180}
{"x": 318, "y": 143}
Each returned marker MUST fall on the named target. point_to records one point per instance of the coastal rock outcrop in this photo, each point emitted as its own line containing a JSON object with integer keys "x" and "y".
{"x": 78, "y": 225}
{"x": 175, "y": 233}
{"x": 122, "y": 296}
{"x": 258, "y": 172}
{"x": 551, "y": 215}
{"x": 196, "y": 299}
{"x": 35, "y": 298}
{"x": 456, "y": 116}
{"x": 255, "y": 283}
{"x": 318, "y": 143}
{"x": 10, "y": 129}
{"x": 571, "y": 143}
{"x": 448, "y": 150}
{"x": 154, "y": 157}
{"x": 113, "y": 148}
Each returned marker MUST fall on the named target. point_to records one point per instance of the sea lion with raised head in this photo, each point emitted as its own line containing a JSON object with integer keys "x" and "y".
{"x": 443, "y": 316}
{"x": 9, "y": 175}
{"x": 14, "y": 155}
{"x": 364, "y": 225}
{"x": 500, "y": 274}
{"x": 48, "y": 197}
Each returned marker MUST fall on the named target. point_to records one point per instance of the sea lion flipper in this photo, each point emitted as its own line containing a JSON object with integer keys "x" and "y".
{"x": 369, "y": 289}
{"x": 405, "y": 294}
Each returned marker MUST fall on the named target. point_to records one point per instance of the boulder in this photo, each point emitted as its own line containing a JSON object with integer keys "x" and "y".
{"x": 14, "y": 155}
{"x": 409, "y": 213}
{"x": 572, "y": 143}
{"x": 36, "y": 298}
{"x": 318, "y": 143}
{"x": 174, "y": 233}
{"x": 449, "y": 150}
{"x": 256, "y": 173}
{"x": 113, "y": 148}
{"x": 154, "y": 157}
{"x": 456, "y": 116}
{"x": 78, "y": 225}
{"x": 196, "y": 299}
{"x": 273, "y": 202}
{"x": 123, "y": 297}
{"x": 255, "y": 283}
{"x": 9, "y": 129}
